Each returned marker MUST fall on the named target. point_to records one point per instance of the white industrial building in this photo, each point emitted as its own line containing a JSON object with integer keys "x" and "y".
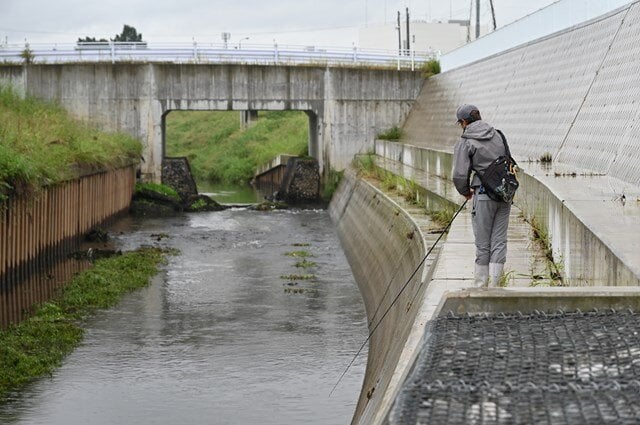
{"x": 439, "y": 37}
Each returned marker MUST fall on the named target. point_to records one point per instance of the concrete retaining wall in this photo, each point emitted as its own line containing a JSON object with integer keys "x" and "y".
{"x": 347, "y": 107}
{"x": 573, "y": 94}
{"x": 588, "y": 253}
{"x": 384, "y": 246}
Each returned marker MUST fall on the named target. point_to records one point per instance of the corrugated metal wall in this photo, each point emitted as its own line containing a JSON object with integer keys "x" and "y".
{"x": 574, "y": 95}
{"x": 38, "y": 231}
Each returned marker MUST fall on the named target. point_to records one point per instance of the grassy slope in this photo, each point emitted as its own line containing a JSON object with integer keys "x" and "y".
{"x": 219, "y": 150}
{"x": 40, "y": 143}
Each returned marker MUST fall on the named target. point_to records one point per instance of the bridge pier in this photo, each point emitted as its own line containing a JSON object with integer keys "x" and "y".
{"x": 248, "y": 118}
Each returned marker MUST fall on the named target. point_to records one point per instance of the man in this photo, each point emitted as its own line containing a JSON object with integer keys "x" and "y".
{"x": 479, "y": 145}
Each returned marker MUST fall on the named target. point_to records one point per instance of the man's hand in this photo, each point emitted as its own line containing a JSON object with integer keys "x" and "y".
{"x": 469, "y": 195}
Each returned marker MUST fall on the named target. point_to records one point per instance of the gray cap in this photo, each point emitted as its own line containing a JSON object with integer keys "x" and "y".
{"x": 464, "y": 112}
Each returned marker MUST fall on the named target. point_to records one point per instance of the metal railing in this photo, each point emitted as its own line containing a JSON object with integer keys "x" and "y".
{"x": 259, "y": 54}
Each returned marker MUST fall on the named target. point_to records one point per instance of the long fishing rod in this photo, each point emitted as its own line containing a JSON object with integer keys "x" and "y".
{"x": 397, "y": 297}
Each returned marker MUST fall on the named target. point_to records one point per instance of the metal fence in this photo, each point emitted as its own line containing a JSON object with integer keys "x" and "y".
{"x": 258, "y": 54}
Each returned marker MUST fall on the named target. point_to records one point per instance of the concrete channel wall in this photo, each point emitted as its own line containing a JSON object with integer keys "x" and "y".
{"x": 38, "y": 230}
{"x": 347, "y": 107}
{"x": 383, "y": 246}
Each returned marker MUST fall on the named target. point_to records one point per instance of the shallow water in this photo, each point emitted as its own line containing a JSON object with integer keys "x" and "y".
{"x": 226, "y": 193}
{"x": 217, "y": 338}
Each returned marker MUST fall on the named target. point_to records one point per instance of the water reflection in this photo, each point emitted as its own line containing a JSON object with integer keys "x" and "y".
{"x": 226, "y": 193}
{"x": 216, "y": 339}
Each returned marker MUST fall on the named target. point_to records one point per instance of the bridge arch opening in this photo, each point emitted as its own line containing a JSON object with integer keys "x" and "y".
{"x": 224, "y": 147}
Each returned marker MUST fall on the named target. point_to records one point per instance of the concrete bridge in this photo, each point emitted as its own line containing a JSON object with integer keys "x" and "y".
{"x": 347, "y": 107}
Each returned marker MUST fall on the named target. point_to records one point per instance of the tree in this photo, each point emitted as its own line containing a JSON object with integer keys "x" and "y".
{"x": 91, "y": 40}
{"x": 27, "y": 55}
{"x": 128, "y": 34}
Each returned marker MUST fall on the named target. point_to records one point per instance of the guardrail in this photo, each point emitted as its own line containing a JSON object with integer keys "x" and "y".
{"x": 211, "y": 53}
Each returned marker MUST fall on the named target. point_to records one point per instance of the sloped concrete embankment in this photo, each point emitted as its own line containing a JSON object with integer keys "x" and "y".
{"x": 383, "y": 245}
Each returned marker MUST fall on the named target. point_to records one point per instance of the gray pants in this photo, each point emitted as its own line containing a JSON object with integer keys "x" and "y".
{"x": 490, "y": 220}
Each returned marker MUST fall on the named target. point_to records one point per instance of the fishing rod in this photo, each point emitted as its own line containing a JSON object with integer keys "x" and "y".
{"x": 397, "y": 297}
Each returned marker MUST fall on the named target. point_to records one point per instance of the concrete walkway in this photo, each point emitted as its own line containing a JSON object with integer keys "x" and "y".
{"x": 526, "y": 262}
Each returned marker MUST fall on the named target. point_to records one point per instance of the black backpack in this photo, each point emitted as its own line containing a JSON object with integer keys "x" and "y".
{"x": 499, "y": 180}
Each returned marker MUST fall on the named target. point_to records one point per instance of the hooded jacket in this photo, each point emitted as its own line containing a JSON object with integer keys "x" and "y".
{"x": 478, "y": 146}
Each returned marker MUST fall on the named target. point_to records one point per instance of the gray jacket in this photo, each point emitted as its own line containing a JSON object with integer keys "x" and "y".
{"x": 478, "y": 146}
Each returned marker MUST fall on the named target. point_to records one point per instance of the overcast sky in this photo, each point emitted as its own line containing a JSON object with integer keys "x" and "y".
{"x": 302, "y": 22}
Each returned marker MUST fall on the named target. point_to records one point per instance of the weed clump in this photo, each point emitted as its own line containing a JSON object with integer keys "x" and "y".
{"x": 546, "y": 158}
{"x": 298, "y": 277}
{"x": 298, "y": 254}
{"x": 394, "y": 134}
{"x": 158, "y": 188}
{"x": 331, "y": 184}
{"x": 430, "y": 68}
{"x": 304, "y": 264}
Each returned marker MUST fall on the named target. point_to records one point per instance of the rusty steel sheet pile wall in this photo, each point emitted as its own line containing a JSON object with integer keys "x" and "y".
{"x": 572, "y": 95}
{"x": 39, "y": 230}
{"x": 383, "y": 246}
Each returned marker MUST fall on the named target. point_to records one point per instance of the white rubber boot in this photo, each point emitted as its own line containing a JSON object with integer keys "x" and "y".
{"x": 495, "y": 271}
{"x": 480, "y": 276}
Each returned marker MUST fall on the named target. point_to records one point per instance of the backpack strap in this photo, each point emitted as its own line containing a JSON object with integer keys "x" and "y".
{"x": 506, "y": 146}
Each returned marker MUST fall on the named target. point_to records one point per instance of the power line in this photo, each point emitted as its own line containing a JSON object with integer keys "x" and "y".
{"x": 36, "y": 31}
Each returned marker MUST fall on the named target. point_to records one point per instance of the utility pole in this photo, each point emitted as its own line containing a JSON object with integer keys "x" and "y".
{"x": 399, "y": 36}
{"x": 493, "y": 14}
{"x": 477, "y": 19}
{"x": 408, "y": 37}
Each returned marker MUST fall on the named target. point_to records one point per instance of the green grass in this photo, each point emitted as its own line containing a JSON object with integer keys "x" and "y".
{"x": 331, "y": 184}
{"x": 443, "y": 216}
{"x": 159, "y": 188}
{"x": 298, "y": 254}
{"x": 36, "y": 346}
{"x": 430, "y": 68}
{"x": 41, "y": 144}
{"x": 365, "y": 166}
{"x": 220, "y": 151}
{"x": 394, "y": 133}
{"x": 304, "y": 264}
{"x": 298, "y": 276}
